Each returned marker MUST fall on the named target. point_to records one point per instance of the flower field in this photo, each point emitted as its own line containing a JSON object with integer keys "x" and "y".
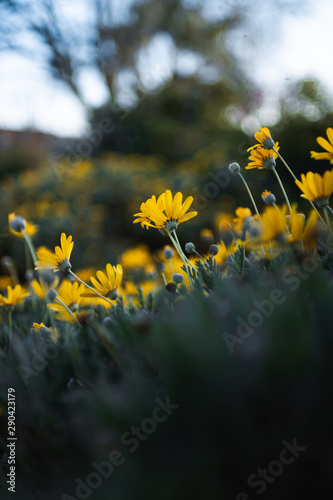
{"x": 167, "y": 332}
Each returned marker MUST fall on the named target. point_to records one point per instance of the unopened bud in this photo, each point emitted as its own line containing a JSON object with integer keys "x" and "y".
{"x": 190, "y": 247}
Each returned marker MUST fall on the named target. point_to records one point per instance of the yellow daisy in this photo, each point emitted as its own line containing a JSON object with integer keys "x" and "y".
{"x": 262, "y": 158}
{"x": 328, "y": 145}
{"x": 70, "y": 294}
{"x": 108, "y": 282}
{"x": 41, "y": 287}
{"x": 60, "y": 259}
{"x": 173, "y": 212}
{"x": 14, "y": 296}
{"x": 40, "y": 327}
{"x": 302, "y": 230}
{"x": 274, "y": 226}
{"x": 264, "y": 139}
{"x": 317, "y": 188}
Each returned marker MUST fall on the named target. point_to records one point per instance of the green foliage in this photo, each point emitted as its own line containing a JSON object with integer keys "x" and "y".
{"x": 241, "y": 390}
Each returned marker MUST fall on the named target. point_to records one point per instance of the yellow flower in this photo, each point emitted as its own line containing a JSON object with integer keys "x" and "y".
{"x": 41, "y": 287}
{"x": 173, "y": 212}
{"x": 14, "y": 296}
{"x": 225, "y": 250}
{"x": 223, "y": 221}
{"x": 136, "y": 257}
{"x": 317, "y": 188}
{"x": 207, "y": 234}
{"x": 108, "y": 282}
{"x": 302, "y": 231}
{"x": 242, "y": 214}
{"x": 70, "y": 294}
{"x": 262, "y": 158}
{"x": 326, "y": 145}
{"x": 5, "y": 281}
{"x": 264, "y": 139}
{"x": 36, "y": 327}
{"x": 59, "y": 260}
{"x": 143, "y": 216}
{"x": 274, "y": 224}
{"x": 21, "y": 225}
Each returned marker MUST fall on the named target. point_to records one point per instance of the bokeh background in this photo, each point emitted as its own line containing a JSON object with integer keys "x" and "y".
{"x": 104, "y": 103}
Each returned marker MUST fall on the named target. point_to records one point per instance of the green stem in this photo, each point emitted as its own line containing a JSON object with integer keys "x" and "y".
{"x": 90, "y": 288}
{"x": 171, "y": 267}
{"x": 315, "y": 208}
{"x": 67, "y": 309}
{"x": 282, "y": 188}
{"x": 250, "y": 194}
{"x": 181, "y": 255}
{"x": 179, "y": 245}
{"x": 31, "y": 247}
{"x": 295, "y": 178}
{"x": 285, "y": 164}
{"x": 200, "y": 256}
{"x": 10, "y": 328}
{"x": 328, "y": 220}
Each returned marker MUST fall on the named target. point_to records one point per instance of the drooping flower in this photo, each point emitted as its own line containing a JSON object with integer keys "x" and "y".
{"x": 328, "y": 145}
{"x": 317, "y": 188}
{"x": 262, "y": 158}
{"x": 18, "y": 226}
{"x": 168, "y": 216}
{"x": 108, "y": 282}
{"x": 264, "y": 139}
{"x": 14, "y": 296}
{"x": 41, "y": 328}
{"x": 59, "y": 260}
{"x": 268, "y": 197}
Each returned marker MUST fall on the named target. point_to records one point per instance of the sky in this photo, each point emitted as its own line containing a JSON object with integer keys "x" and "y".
{"x": 300, "y": 49}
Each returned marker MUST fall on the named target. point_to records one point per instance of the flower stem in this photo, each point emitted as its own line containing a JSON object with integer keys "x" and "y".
{"x": 328, "y": 220}
{"x": 90, "y": 288}
{"x": 285, "y": 164}
{"x": 31, "y": 247}
{"x": 176, "y": 238}
{"x": 295, "y": 178}
{"x": 282, "y": 188}
{"x": 181, "y": 255}
{"x": 67, "y": 309}
{"x": 250, "y": 194}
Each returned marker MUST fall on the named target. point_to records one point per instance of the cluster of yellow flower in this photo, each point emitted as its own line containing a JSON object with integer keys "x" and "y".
{"x": 69, "y": 295}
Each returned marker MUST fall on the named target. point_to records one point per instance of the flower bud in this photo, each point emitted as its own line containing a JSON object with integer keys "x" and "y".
{"x": 269, "y": 198}
{"x": 178, "y": 278}
{"x": 168, "y": 253}
{"x": 18, "y": 224}
{"x": 190, "y": 247}
{"x": 51, "y": 295}
{"x": 171, "y": 225}
{"x": 213, "y": 249}
{"x": 107, "y": 322}
{"x": 234, "y": 168}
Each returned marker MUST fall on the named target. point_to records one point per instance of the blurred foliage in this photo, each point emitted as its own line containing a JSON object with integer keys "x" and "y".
{"x": 235, "y": 407}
